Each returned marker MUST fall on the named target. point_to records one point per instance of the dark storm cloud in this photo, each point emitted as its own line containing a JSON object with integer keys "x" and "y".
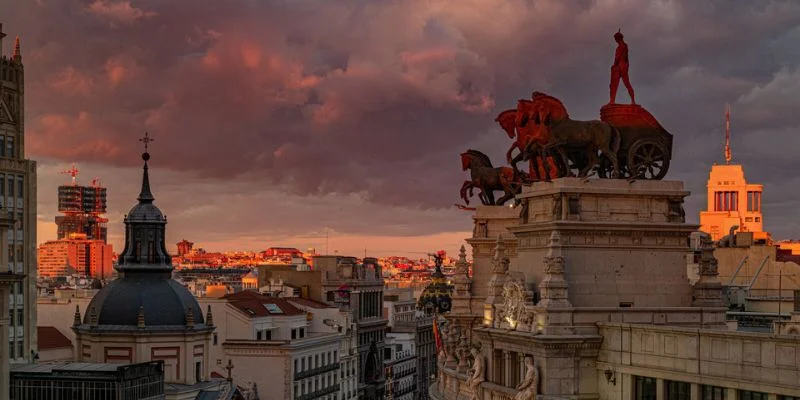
{"x": 378, "y": 98}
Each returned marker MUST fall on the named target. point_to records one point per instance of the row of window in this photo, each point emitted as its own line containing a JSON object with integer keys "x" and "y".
{"x": 12, "y": 75}
{"x": 298, "y": 333}
{"x": 314, "y": 384}
{"x": 14, "y": 185}
{"x": 7, "y": 147}
{"x": 366, "y": 338}
{"x": 644, "y": 388}
{"x": 326, "y": 358}
{"x": 371, "y": 305}
{"x": 729, "y": 201}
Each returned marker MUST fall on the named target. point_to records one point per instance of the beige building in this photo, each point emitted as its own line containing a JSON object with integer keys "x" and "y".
{"x": 732, "y": 202}
{"x": 281, "y": 347}
{"x": 355, "y": 288}
{"x": 18, "y": 197}
{"x": 582, "y": 292}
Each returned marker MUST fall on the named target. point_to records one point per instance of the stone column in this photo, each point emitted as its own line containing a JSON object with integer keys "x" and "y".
{"x": 694, "y": 391}
{"x": 507, "y": 368}
{"x": 659, "y": 389}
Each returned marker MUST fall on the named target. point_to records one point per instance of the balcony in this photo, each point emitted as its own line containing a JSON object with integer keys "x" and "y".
{"x": 319, "y": 393}
{"x": 315, "y": 371}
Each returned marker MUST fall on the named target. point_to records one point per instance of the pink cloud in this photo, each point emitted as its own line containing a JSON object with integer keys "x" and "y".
{"x": 118, "y": 11}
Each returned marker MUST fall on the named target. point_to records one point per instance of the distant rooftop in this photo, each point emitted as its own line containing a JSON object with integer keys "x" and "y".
{"x": 258, "y": 305}
{"x": 51, "y": 338}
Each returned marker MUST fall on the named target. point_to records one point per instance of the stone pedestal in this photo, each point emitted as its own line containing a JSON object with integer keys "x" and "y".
{"x": 622, "y": 250}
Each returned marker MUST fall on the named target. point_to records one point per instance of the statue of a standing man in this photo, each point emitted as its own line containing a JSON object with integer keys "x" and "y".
{"x": 620, "y": 69}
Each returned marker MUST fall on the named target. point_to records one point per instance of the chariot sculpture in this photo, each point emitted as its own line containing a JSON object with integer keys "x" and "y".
{"x": 626, "y": 142}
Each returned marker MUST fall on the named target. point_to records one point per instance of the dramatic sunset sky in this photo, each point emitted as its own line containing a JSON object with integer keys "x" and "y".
{"x": 274, "y": 120}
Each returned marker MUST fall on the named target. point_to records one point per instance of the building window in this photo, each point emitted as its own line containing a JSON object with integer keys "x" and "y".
{"x": 10, "y": 186}
{"x": 677, "y": 390}
{"x": 268, "y": 334}
{"x": 258, "y": 335}
{"x": 708, "y": 392}
{"x": 10, "y": 147}
{"x": 294, "y": 333}
{"x": 644, "y": 388}
{"x": 748, "y": 395}
{"x": 215, "y": 338}
{"x": 754, "y": 201}
{"x": 788, "y": 398}
{"x": 302, "y": 333}
{"x": 198, "y": 371}
{"x": 726, "y": 201}
{"x": 20, "y": 186}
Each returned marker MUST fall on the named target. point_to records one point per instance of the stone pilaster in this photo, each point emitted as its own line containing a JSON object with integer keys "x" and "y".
{"x": 498, "y": 279}
{"x": 462, "y": 285}
{"x": 554, "y": 311}
{"x": 708, "y": 289}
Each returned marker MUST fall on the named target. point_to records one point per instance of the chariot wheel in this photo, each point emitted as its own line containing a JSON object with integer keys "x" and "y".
{"x": 648, "y": 159}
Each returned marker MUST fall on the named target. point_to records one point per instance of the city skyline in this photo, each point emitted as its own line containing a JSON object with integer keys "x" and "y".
{"x": 386, "y": 111}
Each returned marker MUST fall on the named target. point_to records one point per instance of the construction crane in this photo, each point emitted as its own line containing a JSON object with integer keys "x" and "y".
{"x": 73, "y": 172}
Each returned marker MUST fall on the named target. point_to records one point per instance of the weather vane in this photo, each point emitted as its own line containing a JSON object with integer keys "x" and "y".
{"x": 146, "y": 140}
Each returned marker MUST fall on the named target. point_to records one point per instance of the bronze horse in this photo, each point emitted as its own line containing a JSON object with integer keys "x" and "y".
{"x": 488, "y": 179}
{"x": 565, "y": 135}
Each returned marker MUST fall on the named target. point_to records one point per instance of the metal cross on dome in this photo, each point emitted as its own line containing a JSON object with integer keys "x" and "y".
{"x": 146, "y": 140}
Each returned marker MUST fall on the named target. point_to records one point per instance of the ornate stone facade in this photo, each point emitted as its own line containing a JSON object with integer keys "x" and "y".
{"x": 573, "y": 254}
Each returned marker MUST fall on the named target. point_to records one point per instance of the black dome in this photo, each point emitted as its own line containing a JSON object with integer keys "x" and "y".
{"x": 165, "y": 302}
{"x": 145, "y": 212}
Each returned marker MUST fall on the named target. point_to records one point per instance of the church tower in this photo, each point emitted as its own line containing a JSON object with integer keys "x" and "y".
{"x": 145, "y": 315}
{"x": 18, "y": 197}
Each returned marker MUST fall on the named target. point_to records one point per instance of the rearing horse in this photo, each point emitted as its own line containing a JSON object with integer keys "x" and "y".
{"x": 516, "y": 124}
{"x": 487, "y": 178}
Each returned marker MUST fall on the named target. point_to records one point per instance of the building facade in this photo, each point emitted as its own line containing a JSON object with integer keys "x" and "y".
{"x": 143, "y": 381}
{"x": 287, "y": 348}
{"x": 77, "y": 255}
{"x": 409, "y": 328}
{"x": 356, "y": 289}
{"x": 732, "y": 201}
{"x": 582, "y": 292}
{"x": 18, "y": 197}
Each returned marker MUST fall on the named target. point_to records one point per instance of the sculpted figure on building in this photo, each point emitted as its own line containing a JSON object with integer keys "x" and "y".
{"x": 627, "y": 142}
{"x": 527, "y": 389}
{"x": 476, "y": 374}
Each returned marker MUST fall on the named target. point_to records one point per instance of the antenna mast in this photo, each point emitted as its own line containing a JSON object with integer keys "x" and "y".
{"x": 727, "y": 134}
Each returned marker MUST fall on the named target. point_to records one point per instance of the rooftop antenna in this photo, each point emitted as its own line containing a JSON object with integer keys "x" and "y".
{"x": 727, "y": 134}
{"x": 73, "y": 172}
